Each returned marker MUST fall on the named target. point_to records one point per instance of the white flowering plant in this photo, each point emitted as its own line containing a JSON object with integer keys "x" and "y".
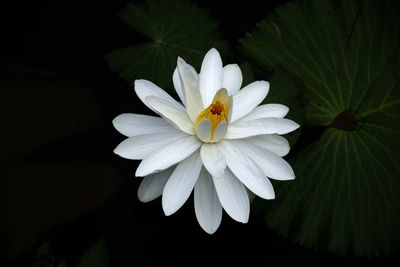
{"x": 218, "y": 141}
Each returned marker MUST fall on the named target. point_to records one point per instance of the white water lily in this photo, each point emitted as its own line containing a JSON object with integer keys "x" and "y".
{"x": 218, "y": 141}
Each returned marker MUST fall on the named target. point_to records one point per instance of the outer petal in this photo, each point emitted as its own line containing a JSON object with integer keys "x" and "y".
{"x": 181, "y": 183}
{"x": 247, "y": 171}
{"x": 211, "y": 76}
{"x": 248, "y": 98}
{"x": 172, "y": 113}
{"x": 272, "y": 142}
{"x": 213, "y": 159}
{"x": 176, "y": 79}
{"x": 243, "y": 129}
{"x": 232, "y": 79}
{"x": 168, "y": 155}
{"x": 271, "y": 164}
{"x": 233, "y": 196}
{"x": 190, "y": 81}
{"x": 207, "y": 207}
{"x": 144, "y": 88}
{"x": 267, "y": 111}
{"x": 141, "y": 146}
{"x": 152, "y": 185}
{"x": 130, "y": 124}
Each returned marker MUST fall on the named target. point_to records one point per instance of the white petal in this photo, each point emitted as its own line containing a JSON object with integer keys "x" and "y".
{"x": 242, "y": 129}
{"x": 220, "y": 131}
{"x": 232, "y": 79}
{"x": 181, "y": 183}
{"x": 213, "y": 159}
{"x": 190, "y": 81}
{"x": 144, "y": 88}
{"x": 139, "y": 147}
{"x": 247, "y": 171}
{"x": 171, "y": 113}
{"x": 272, "y": 142}
{"x": 248, "y": 98}
{"x": 211, "y": 76}
{"x": 136, "y": 124}
{"x": 271, "y": 164}
{"x": 207, "y": 207}
{"x": 152, "y": 185}
{"x": 233, "y": 196}
{"x": 176, "y": 79}
{"x": 267, "y": 111}
{"x": 204, "y": 130}
{"x": 168, "y": 155}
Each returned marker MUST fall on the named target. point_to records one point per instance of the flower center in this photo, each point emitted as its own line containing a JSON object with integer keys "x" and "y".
{"x": 212, "y": 122}
{"x": 217, "y": 108}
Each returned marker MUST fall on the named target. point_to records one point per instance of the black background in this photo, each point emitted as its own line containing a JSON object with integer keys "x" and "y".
{"x": 47, "y": 41}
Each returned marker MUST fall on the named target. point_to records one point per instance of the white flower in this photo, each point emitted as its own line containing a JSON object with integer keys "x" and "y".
{"x": 219, "y": 142}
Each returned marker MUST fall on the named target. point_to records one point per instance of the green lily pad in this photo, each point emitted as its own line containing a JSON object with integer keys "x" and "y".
{"x": 347, "y": 189}
{"x": 174, "y": 28}
{"x": 96, "y": 255}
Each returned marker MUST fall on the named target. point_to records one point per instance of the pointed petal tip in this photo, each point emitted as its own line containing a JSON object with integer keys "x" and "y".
{"x": 167, "y": 212}
{"x": 180, "y": 61}
{"x": 167, "y": 208}
{"x": 244, "y": 220}
{"x": 264, "y": 84}
{"x": 287, "y": 108}
{"x": 267, "y": 195}
{"x": 213, "y": 50}
{"x": 143, "y": 199}
{"x": 296, "y": 125}
{"x": 138, "y": 82}
{"x": 139, "y": 172}
{"x": 289, "y": 176}
{"x": 115, "y": 121}
{"x": 271, "y": 195}
{"x": 292, "y": 126}
{"x": 209, "y": 229}
{"x": 115, "y": 151}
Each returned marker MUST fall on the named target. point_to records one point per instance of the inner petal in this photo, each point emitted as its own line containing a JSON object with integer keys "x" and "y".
{"x": 211, "y": 124}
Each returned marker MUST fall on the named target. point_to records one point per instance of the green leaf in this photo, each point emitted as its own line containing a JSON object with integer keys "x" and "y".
{"x": 96, "y": 255}
{"x": 347, "y": 189}
{"x": 174, "y": 28}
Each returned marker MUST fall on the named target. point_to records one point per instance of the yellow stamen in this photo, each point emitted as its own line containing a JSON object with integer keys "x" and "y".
{"x": 217, "y": 111}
